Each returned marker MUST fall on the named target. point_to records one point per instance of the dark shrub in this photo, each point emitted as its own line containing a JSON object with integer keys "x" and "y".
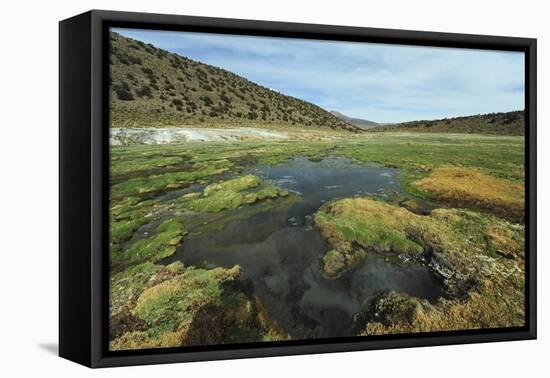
{"x": 124, "y": 60}
{"x": 207, "y": 101}
{"x": 144, "y": 91}
{"x": 224, "y": 98}
{"x": 177, "y": 102}
{"x": 201, "y": 74}
{"x": 134, "y": 59}
{"x": 123, "y": 91}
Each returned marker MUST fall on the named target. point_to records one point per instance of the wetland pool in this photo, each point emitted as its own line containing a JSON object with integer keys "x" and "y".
{"x": 279, "y": 250}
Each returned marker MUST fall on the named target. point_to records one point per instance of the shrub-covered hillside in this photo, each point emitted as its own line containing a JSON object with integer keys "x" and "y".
{"x": 150, "y": 87}
{"x": 510, "y": 123}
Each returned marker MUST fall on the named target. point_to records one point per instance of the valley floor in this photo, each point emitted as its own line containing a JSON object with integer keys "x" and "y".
{"x": 458, "y": 213}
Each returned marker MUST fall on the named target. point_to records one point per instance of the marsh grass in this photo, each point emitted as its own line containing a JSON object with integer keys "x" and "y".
{"x": 479, "y": 251}
{"x": 231, "y": 194}
{"x": 461, "y": 187}
{"x": 180, "y": 305}
{"x": 163, "y": 244}
{"x": 479, "y": 257}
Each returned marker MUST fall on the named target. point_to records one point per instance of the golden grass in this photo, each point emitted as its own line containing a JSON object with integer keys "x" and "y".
{"x": 492, "y": 306}
{"x": 461, "y": 187}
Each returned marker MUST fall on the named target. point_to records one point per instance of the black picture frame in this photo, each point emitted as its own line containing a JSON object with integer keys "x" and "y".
{"x": 84, "y": 177}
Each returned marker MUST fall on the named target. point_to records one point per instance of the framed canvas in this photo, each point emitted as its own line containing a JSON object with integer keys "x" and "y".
{"x": 234, "y": 188}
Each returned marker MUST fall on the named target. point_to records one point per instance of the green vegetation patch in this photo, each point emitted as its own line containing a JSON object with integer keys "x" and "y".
{"x": 460, "y": 241}
{"x": 168, "y": 180}
{"x": 171, "y": 305}
{"x": 127, "y": 285}
{"x": 234, "y": 185}
{"x": 120, "y": 165}
{"x": 479, "y": 256}
{"x": 231, "y": 194}
{"x": 368, "y": 224}
{"x": 418, "y": 154}
{"x": 162, "y": 244}
{"x": 268, "y": 192}
{"x": 126, "y": 216}
{"x": 178, "y": 306}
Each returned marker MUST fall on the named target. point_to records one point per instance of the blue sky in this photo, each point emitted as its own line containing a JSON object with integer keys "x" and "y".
{"x": 379, "y": 82}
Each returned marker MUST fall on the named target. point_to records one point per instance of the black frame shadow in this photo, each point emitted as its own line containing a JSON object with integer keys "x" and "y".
{"x": 84, "y": 178}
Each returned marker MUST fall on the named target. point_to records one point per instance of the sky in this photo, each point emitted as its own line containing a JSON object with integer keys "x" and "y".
{"x": 379, "y": 82}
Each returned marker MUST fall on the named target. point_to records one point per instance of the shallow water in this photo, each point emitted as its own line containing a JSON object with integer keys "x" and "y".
{"x": 279, "y": 251}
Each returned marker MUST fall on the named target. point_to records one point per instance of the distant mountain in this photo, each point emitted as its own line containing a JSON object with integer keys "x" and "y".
{"x": 362, "y": 123}
{"x": 151, "y": 87}
{"x": 510, "y": 123}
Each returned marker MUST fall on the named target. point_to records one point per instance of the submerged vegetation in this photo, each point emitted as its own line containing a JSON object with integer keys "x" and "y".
{"x": 461, "y": 216}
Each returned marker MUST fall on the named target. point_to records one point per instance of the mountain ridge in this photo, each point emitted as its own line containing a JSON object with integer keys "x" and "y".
{"x": 359, "y": 122}
{"x": 151, "y": 87}
{"x": 504, "y": 123}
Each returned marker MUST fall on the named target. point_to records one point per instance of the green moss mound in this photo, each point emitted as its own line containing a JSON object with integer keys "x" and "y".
{"x": 480, "y": 259}
{"x": 180, "y": 306}
{"x": 163, "y": 244}
{"x": 231, "y": 194}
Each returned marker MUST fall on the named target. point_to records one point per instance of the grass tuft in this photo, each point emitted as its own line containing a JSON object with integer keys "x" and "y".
{"x": 461, "y": 187}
